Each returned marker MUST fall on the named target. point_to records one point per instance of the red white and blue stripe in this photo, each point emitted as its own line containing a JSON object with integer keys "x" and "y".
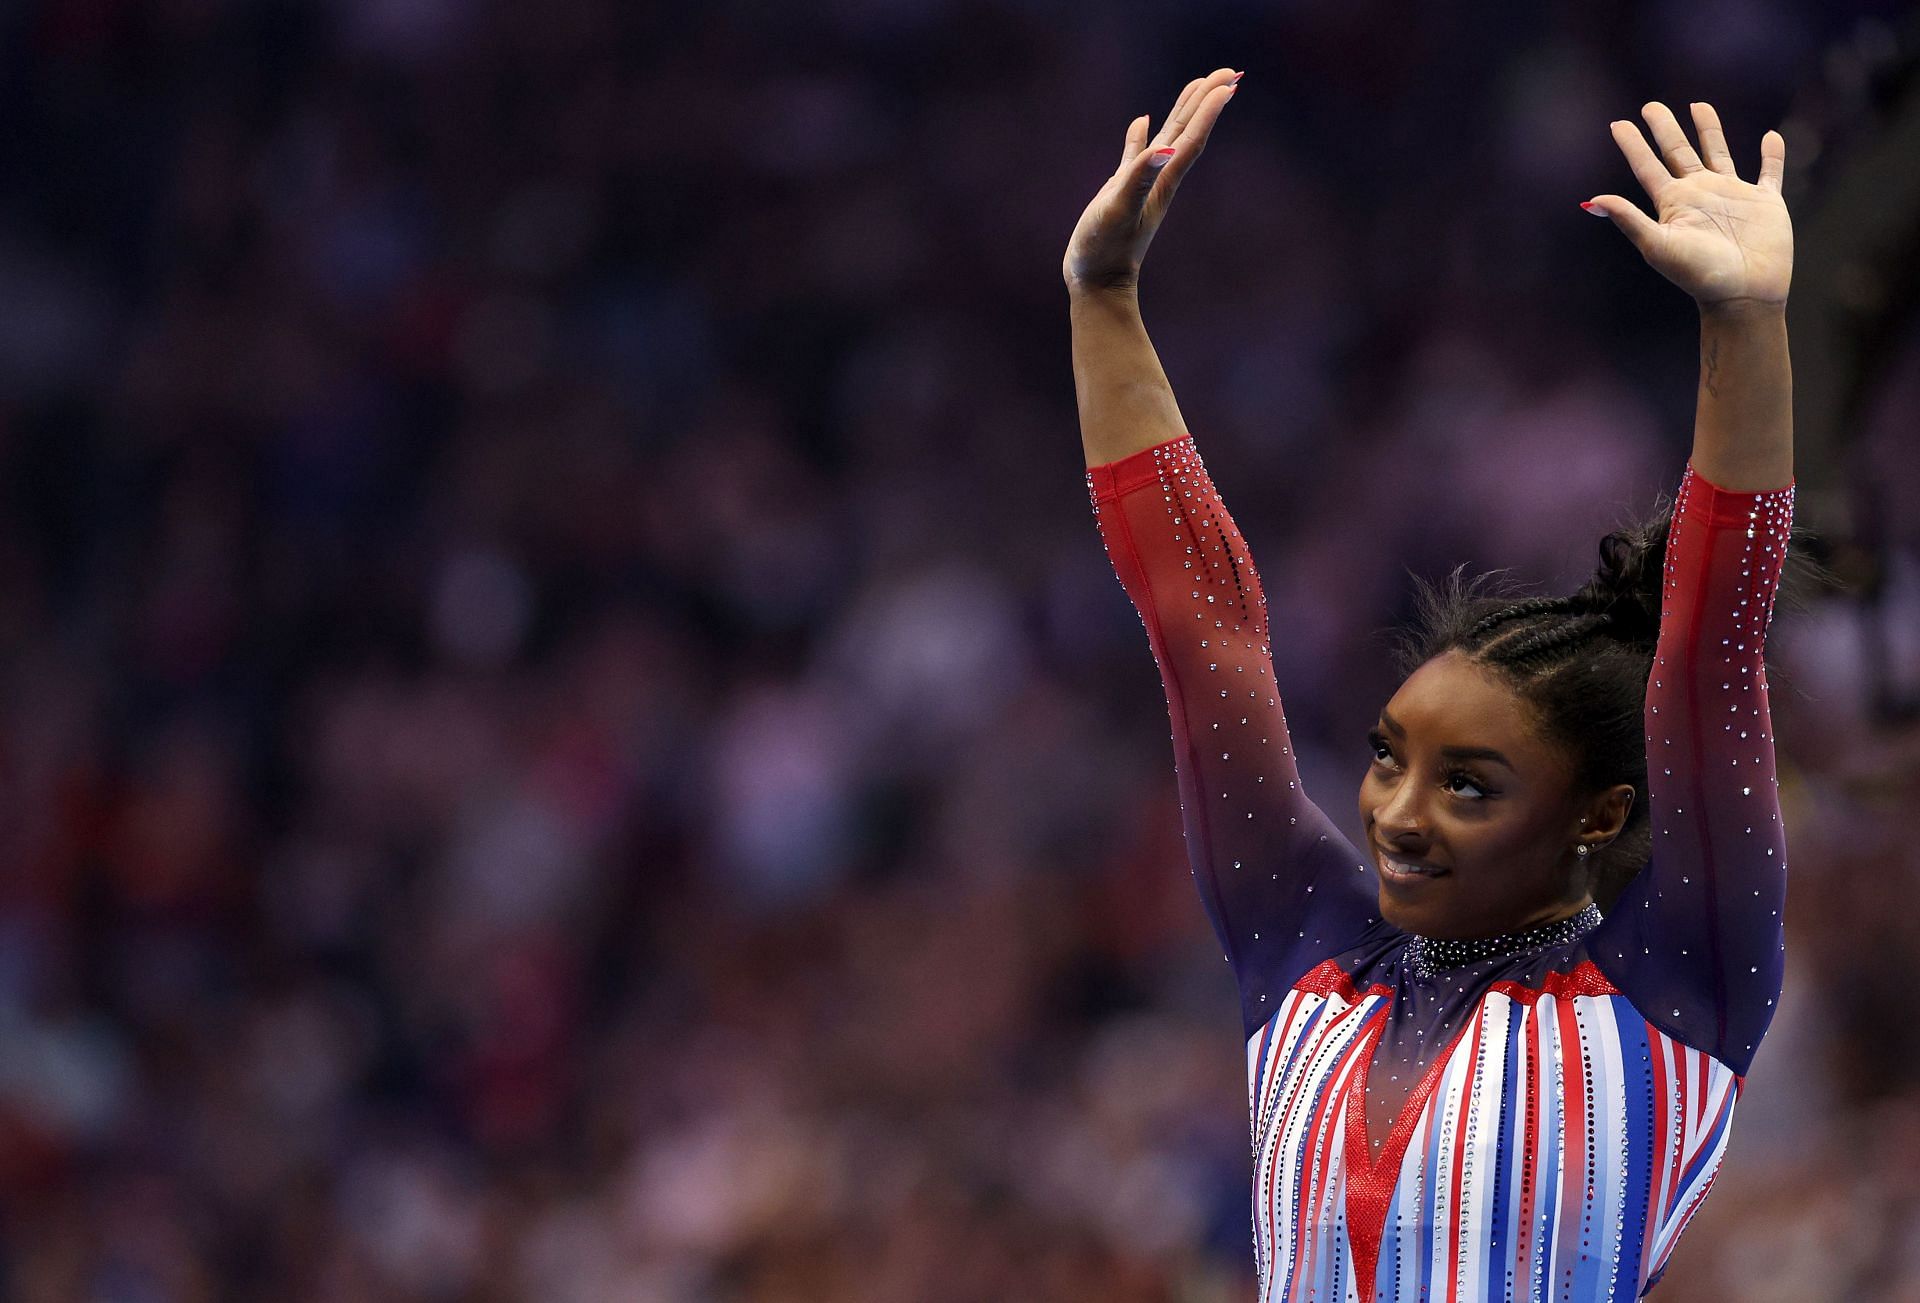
{"x": 1555, "y": 1150}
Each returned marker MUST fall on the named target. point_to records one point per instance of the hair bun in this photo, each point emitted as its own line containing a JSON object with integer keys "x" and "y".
{"x": 1626, "y": 589}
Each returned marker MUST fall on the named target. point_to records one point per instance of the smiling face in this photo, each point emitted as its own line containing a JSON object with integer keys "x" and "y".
{"x": 1479, "y": 807}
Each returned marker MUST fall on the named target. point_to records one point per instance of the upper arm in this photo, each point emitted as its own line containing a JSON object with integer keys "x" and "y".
{"x": 1696, "y": 939}
{"x": 1282, "y": 886}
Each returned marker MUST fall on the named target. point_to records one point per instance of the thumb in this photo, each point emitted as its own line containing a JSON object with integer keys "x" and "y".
{"x": 1135, "y": 142}
{"x": 1148, "y": 165}
{"x": 1638, "y": 226}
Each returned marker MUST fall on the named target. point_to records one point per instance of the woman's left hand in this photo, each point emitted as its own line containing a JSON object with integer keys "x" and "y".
{"x": 1721, "y": 239}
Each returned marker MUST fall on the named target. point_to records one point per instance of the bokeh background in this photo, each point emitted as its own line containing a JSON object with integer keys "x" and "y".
{"x": 567, "y": 733}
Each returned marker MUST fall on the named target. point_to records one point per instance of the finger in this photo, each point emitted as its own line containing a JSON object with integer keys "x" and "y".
{"x": 1136, "y": 140}
{"x": 1193, "y": 141}
{"x": 1638, "y": 227}
{"x": 1167, "y": 131}
{"x": 1190, "y": 101}
{"x": 1647, "y": 167}
{"x": 1672, "y": 141}
{"x": 1713, "y": 141}
{"x": 1773, "y": 160}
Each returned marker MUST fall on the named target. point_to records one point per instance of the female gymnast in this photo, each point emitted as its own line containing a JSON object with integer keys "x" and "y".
{"x": 1466, "y": 1081}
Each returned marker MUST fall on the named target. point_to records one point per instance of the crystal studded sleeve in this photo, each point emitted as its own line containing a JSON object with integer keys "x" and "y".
{"x": 1695, "y": 941}
{"x": 1283, "y": 888}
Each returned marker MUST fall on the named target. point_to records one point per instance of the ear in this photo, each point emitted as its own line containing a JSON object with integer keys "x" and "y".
{"x": 1602, "y": 818}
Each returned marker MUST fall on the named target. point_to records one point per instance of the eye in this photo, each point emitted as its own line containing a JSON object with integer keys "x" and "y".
{"x": 1378, "y": 741}
{"x": 1480, "y": 789}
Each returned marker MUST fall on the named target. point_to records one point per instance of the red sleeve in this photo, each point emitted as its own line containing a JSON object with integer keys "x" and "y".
{"x": 1696, "y": 941}
{"x": 1283, "y": 888}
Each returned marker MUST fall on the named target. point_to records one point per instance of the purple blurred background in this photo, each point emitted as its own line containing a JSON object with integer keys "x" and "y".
{"x": 568, "y": 733}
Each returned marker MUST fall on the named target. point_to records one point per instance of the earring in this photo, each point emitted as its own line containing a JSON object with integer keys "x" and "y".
{"x": 1582, "y": 849}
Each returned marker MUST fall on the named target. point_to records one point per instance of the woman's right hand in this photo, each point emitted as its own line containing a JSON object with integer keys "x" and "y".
{"x": 1110, "y": 242}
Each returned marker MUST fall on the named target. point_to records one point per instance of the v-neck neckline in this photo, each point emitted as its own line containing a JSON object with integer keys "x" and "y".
{"x": 1371, "y": 1178}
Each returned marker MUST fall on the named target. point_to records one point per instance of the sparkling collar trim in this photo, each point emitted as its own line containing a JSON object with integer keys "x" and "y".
{"x": 1430, "y": 955}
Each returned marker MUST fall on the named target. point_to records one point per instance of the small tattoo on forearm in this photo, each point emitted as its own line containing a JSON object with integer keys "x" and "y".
{"x": 1710, "y": 366}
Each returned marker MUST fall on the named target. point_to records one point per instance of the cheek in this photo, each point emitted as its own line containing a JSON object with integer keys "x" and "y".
{"x": 1526, "y": 849}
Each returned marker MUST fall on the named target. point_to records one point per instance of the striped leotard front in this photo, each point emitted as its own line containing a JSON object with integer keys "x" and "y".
{"x": 1555, "y": 1150}
{"x": 1559, "y": 1109}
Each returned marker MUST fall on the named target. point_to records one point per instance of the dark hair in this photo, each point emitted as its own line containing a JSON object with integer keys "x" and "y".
{"x": 1579, "y": 662}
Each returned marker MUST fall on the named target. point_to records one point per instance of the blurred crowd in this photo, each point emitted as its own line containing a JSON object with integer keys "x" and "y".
{"x": 568, "y": 734}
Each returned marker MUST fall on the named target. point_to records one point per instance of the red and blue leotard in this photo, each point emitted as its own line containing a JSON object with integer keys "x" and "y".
{"x": 1538, "y": 1124}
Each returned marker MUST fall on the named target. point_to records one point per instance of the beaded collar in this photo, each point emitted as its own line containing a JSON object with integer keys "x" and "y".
{"x": 1430, "y": 955}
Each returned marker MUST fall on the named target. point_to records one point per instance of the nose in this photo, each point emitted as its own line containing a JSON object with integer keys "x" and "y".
{"x": 1401, "y": 818}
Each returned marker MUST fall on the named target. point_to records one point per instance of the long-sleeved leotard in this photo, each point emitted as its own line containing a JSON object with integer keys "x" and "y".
{"x": 1536, "y": 1125}
{"x": 1282, "y": 886}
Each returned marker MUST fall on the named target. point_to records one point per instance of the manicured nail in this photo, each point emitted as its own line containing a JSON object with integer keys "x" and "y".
{"x": 1593, "y": 208}
{"x": 1160, "y": 157}
{"x": 1238, "y": 75}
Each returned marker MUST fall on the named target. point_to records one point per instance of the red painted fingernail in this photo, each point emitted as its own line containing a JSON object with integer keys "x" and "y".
{"x": 1595, "y": 209}
{"x": 1238, "y": 75}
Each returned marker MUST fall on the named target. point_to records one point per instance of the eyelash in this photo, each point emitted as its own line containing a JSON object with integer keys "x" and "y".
{"x": 1379, "y": 742}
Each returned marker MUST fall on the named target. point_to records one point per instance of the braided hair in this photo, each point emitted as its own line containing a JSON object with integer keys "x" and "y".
{"x": 1579, "y": 662}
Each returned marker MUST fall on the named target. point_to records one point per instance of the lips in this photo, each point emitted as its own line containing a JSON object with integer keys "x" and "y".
{"x": 1398, "y": 868}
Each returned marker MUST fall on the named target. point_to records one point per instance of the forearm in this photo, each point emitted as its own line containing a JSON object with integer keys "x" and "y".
{"x": 1281, "y": 884}
{"x": 1126, "y": 404}
{"x": 1743, "y": 430}
{"x": 1700, "y": 949}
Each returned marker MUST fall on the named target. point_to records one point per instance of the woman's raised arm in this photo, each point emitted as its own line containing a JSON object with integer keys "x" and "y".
{"x": 1696, "y": 940}
{"x": 1281, "y": 885}
{"x": 1126, "y": 404}
{"x": 1728, "y": 243}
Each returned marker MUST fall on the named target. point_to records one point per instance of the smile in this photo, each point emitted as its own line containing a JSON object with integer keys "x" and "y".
{"x": 1399, "y": 870}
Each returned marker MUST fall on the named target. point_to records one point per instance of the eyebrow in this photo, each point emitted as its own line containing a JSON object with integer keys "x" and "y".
{"x": 1456, "y": 753}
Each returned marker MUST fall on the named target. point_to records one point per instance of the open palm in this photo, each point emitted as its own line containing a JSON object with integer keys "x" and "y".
{"x": 1111, "y": 238}
{"x": 1719, "y": 238}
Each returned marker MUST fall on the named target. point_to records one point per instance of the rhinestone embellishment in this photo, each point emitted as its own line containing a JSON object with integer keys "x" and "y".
{"x": 1430, "y": 955}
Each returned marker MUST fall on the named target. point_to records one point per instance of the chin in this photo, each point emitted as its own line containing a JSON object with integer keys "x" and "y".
{"x": 1434, "y": 923}
{"x": 1407, "y": 919}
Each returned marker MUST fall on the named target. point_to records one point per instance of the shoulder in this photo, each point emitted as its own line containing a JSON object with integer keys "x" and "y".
{"x": 1371, "y": 961}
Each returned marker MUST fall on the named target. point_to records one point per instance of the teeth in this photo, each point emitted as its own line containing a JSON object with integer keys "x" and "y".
{"x": 1405, "y": 868}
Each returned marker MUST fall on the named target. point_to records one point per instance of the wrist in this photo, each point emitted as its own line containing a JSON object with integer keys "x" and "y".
{"x": 1120, "y": 292}
{"x": 1737, "y": 310}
